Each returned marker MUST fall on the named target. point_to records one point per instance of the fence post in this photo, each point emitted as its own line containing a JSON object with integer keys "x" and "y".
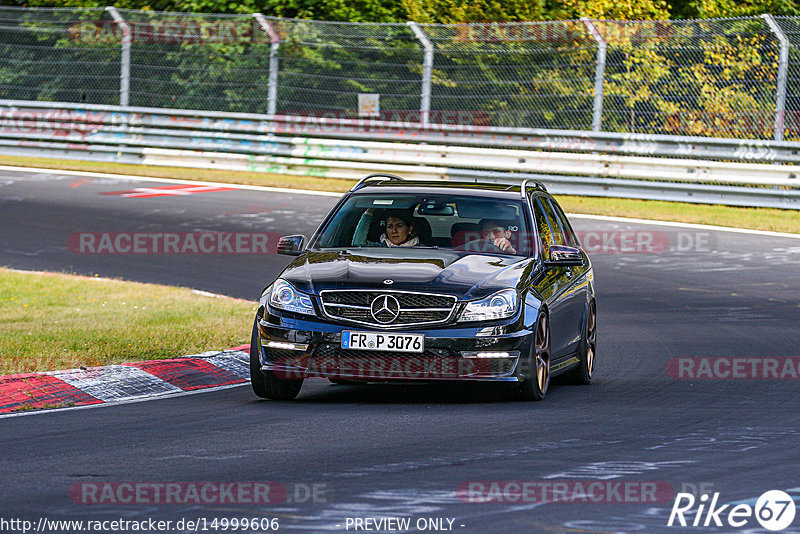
{"x": 125, "y": 62}
{"x": 427, "y": 72}
{"x": 275, "y": 43}
{"x": 599, "y": 74}
{"x": 783, "y": 66}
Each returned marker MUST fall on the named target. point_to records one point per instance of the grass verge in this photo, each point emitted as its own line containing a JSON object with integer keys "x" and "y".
{"x": 753, "y": 218}
{"x": 51, "y": 321}
{"x": 773, "y": 220}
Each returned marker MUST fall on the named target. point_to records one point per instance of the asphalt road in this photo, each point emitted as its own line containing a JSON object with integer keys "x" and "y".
{"x": 403, "y": 451}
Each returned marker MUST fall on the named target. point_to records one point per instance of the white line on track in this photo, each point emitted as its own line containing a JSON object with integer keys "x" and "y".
{"x": 132, "y": 177}
{"x": 332, "y": 194}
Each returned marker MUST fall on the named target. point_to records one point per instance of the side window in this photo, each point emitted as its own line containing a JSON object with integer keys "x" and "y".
{"x": 555, "y": 228}
{"x": 566, "y": 228}
{"x": 546, "y": 226}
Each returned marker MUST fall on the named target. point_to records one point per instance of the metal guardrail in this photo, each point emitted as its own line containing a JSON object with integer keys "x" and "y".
{"x": 83, "y": 115}
{"x": 599, "y": 164}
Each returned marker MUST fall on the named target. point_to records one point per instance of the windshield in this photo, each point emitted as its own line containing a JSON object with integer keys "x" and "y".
{"x": 463, "y": 223}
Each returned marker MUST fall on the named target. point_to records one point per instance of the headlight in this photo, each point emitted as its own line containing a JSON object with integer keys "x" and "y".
{"x": 497, "y": 306}
{"x": 285, "y": 297}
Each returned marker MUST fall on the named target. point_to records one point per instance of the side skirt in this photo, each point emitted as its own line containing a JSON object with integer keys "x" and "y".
{"x": 564, "y": 364}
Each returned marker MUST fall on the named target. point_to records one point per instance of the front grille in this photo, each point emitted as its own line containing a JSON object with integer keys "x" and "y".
{"x": 414, "y": 308}
{"x": 281, "y": 356}
{"x": 407, "y": 300}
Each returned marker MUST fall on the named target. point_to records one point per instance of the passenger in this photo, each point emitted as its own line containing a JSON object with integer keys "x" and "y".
{"x": 399, "y": 230}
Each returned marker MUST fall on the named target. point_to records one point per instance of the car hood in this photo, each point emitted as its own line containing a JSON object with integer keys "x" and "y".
{"x": 465, "y": 275}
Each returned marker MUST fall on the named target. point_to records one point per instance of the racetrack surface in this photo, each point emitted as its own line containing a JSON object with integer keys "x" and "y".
{"x": 403, "y": 451}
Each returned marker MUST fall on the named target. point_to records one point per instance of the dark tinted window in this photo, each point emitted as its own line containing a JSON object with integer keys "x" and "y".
{"x": 551, "y": 231}
{"x": 546, "y": 226}
{"x": 563, "y": 222}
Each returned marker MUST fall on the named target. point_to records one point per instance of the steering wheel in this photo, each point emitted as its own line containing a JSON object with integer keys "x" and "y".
{"x": 480, "y": 245}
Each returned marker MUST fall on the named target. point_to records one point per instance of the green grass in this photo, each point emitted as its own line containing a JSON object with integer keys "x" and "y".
{"x": 51, "y": 321}
{"x": 773, "y": 220}
{"x": 753, "y": 218}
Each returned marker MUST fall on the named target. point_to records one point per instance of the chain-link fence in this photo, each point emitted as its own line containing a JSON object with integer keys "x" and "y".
{"x": 533, "y": 74}
{"x": 324, "y": 66}
{"x": 735, "y": 78}
{"x": 791, "y": 28}
{"x": 197, "y": 61}
{"x": 41, "y": 57}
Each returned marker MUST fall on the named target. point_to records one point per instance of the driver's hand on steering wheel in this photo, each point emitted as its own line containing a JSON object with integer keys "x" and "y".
{"x": 504, "y": 244}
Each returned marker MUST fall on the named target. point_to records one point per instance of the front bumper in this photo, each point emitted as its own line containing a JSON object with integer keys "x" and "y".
{"x": 293, "y": 348}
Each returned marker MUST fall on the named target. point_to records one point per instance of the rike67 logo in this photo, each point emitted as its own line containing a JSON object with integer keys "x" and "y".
{"x": 774, "y": 510}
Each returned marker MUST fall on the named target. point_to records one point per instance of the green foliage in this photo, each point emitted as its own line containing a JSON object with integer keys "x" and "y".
{"x": 344, "y": 10}
{"x": 613, "y": 9}
{"x": 452, "y": 11}
{"x": 736, "y": 8}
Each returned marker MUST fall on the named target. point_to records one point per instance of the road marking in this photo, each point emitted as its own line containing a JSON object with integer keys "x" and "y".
{"x": 133, "y": 178}
{"x": 168, "y": 191}
{"x": 312, "y": 192}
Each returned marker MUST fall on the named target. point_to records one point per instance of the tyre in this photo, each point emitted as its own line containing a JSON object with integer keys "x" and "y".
{"x": 265, "y": 384}
{"x": 582, "y": 374}
{"x": 534, "y": 385}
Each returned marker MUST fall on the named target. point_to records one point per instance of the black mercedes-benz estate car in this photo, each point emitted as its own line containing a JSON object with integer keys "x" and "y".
{"x": 430, "y": 281}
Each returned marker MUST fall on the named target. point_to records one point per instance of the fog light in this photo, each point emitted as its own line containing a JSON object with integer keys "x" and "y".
{"x": 284, "y": 345}
{"x": 488, "y": 354}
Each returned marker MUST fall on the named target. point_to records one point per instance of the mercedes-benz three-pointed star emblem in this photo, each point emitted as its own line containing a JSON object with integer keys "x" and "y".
{"x": 385, "y": 309}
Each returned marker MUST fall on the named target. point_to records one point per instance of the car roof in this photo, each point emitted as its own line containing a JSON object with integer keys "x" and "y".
{"x": 383, "y": 183}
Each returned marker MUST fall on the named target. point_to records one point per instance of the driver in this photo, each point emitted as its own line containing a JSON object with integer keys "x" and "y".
{"x": 497, "y": 233}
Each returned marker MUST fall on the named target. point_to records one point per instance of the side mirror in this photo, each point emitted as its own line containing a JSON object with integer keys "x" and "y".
{"x": 564, "y": 256}
{"x": 291, "y": 245}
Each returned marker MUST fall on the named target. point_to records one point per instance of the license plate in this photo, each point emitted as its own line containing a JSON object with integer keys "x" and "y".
{"x": 383, "y": 342}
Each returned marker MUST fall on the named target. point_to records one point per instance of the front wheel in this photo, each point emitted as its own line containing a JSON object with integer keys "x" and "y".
{"x": 534, "y": 385}
{"x": 265, "y": 384}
